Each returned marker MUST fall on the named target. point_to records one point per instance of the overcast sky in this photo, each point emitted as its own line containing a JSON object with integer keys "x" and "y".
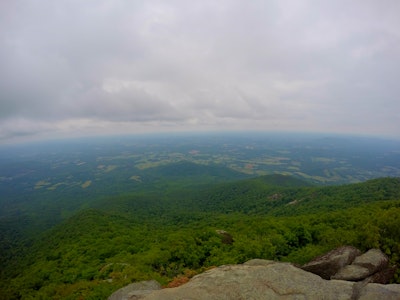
{"x": 73, "y": 67}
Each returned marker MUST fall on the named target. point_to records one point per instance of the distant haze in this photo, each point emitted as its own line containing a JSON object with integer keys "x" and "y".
{"x": 76, "y": 68}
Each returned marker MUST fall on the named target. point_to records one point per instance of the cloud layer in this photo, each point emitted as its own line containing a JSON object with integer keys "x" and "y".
{"x": 90, "y": 67}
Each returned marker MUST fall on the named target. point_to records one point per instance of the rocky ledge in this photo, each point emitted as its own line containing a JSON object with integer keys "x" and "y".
{"x": 343, "y": 273}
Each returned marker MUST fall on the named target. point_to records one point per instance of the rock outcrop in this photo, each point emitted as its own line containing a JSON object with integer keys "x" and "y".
{"x": 364, "y": 266}
{"x": 264, "y": 279}
{"x": 329, "y": 264}
{"x": 347, "y": 263}
{"x": 226, "y": 237}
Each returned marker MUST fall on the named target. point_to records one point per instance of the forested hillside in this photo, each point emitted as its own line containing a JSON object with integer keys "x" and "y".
{"x": 173, "y": 234}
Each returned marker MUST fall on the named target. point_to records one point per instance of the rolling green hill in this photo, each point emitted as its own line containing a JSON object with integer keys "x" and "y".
{"x": 285, "y": 195}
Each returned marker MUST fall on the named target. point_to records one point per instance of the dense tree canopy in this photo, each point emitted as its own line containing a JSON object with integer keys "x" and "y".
{"x": 177, "y": 233}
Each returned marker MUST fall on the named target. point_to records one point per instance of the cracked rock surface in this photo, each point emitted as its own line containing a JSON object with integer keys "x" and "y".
{"x": 263, "y": 279}
{"x": 353, "y": 275}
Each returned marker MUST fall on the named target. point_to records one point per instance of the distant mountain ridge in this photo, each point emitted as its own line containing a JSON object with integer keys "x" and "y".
{"x": 285, "y": 195}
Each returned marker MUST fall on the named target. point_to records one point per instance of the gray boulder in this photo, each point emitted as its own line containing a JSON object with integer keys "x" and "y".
{"x": 330, "y": 263}
{"x": 135, "y": 290}
{"x": 373, "y": 259}
{"x": 364, "y": 266}
{"x": 352, "y": 273}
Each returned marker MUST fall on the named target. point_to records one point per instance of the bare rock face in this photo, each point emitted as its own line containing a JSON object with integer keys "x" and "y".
{"x": 330, "y": 263}
{"x": 374, "y": 291}
{"x": 135, "y": 290}
{"x": 264, "y": 279}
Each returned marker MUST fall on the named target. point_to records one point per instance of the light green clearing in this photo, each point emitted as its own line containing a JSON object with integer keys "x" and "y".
{"x": 86, "y": 184}
{"x": 136, "y": 178}
{"x": 41, "y": 183}
{"x": 323, "y": 159}
{"x": 108, "y": 168}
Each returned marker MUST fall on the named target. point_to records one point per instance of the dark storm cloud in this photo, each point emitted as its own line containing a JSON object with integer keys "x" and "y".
{"x": 147, "y": 65}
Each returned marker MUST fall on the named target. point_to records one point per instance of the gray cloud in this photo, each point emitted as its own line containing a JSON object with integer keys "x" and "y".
{"x": 149, "y": 65}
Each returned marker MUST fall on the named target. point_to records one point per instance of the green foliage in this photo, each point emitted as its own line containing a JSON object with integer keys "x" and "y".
{"x": 154, "y": 235}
